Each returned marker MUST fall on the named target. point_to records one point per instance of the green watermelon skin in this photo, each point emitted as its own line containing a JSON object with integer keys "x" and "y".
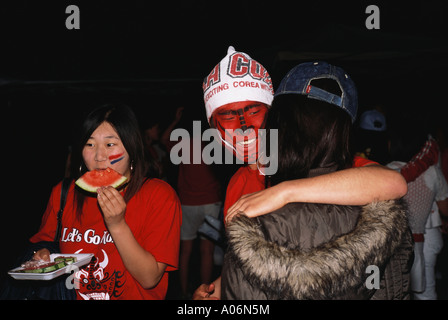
{"x": 94, "y": 179}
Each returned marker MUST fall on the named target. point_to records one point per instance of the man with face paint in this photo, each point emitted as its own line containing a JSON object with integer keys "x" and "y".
{"x": 239, "y": 124}
{"x": 237, "y": 95}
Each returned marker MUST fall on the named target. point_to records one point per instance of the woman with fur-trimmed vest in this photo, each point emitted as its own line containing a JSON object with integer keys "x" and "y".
{"x": 317, "y": 251}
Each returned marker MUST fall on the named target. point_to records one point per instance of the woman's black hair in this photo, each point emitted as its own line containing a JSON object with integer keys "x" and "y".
{"x": 311, "y": 134}
{"x": 124, "y": 121}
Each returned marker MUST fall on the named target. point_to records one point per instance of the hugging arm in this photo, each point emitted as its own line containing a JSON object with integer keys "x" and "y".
{"x": 354, "y": 186}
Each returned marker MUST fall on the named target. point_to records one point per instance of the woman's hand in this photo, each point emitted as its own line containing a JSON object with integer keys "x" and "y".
{"x": 204, "y": 292}
{"x": 258, "y": 203}
{"x": 210, "y": 291}
{"x": 112, "y": 205}
{"x": 140, "y": 263}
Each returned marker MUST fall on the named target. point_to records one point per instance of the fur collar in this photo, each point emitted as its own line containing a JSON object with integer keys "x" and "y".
{"x": 312, "y": 274}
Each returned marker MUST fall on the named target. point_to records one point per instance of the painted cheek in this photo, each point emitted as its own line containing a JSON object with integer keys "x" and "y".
{"x": 116, "y": 158}
{"x": 227, "y": 133}
{"x": 230, "y": 125}
{"x": 257, "y": 121}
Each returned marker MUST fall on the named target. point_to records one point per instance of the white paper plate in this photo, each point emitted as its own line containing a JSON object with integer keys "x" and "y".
{"x": 81, "y": 259}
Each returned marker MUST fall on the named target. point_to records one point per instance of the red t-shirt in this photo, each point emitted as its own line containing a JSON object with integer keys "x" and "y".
{"x": 246, "y": 181}
{"x": 197, "y": 183}
{"x": 154, "y": 216}
{"x": 361, "y": 162}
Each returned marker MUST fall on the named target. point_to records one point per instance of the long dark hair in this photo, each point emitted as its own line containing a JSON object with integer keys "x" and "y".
{"x": 124, "y": 121}
{"x": 311, "y": 134}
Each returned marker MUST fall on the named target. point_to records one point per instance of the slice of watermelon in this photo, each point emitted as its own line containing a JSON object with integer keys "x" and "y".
{"x": 94, "y": 179}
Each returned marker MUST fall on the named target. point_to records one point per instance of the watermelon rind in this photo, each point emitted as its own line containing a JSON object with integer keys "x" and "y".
{"x": 93, "y": 188}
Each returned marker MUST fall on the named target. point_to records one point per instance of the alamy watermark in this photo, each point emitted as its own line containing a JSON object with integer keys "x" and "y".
{"x": 73, "y": 20}
{"x": 373, "y": 281}
{"x": 373, "y": 20}
{"x": 264, "y": 155}
{"x": 70, "y": 281}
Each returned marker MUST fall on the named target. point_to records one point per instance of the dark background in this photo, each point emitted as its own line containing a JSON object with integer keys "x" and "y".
{"x": 154, "y": 55}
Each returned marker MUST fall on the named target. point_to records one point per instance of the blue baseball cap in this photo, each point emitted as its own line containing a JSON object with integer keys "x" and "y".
{"x": 299, "y": 81}
{"x": 372, "y": 120}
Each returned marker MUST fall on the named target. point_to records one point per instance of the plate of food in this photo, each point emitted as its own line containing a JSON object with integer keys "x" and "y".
{"x": 58, "y": 265}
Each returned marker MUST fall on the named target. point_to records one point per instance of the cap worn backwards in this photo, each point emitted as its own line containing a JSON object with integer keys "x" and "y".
{"x": 236, "y": 78}
{"x": 299, "y": 81}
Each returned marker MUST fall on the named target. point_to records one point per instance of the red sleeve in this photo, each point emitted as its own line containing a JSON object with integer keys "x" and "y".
{"x": 161, "y": 231}
{"x": 48, "y": 226}
{"x": 361, "y": 162}
{"x": 234, "y": 191}
{"x": 244, "y": 181}
{"x": 426, "y": 157}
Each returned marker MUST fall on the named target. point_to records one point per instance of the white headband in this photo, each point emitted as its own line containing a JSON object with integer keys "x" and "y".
{"x": 236, "y": 78}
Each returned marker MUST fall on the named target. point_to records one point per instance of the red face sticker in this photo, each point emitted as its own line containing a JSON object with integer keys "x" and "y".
{"x": 239, "y": 124}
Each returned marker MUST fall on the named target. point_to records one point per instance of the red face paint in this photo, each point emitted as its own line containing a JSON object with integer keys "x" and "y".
{"x": 238, "y": 124}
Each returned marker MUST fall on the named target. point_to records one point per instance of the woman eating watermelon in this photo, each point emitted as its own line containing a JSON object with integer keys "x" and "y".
{"x": 131, "y": 223}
